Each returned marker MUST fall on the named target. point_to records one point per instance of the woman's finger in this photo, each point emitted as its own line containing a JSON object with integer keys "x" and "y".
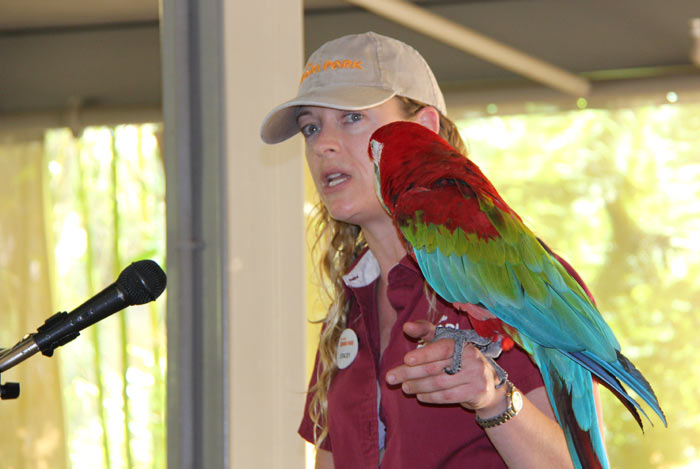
{"x": 404, "y": 373}
{"x": 421, "y": 329}
{"x": 440, "y": 350}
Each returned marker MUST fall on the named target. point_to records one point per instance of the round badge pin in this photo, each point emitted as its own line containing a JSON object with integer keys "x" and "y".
{"x": 347, "y": 348}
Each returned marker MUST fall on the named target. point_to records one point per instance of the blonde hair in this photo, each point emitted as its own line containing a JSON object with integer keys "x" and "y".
{"x": 337, "y": 246}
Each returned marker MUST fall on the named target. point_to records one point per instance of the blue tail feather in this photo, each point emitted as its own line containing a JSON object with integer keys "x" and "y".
{"x": 625, "y": 371}
{"x": 570, "y": 390}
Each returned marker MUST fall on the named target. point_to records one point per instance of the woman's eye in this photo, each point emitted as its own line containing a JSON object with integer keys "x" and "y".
{"x": 353, "y": 116}
{"x": 308, "y": 130}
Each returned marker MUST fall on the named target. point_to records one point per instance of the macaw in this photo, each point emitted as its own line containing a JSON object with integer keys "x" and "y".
{"x": 476, "y": 252}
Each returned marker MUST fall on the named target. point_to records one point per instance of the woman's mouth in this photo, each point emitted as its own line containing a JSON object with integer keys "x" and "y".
{"x": 334, "y": 179}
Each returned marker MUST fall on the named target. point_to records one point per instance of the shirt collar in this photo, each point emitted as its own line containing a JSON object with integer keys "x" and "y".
{"x": 364, "y": 272}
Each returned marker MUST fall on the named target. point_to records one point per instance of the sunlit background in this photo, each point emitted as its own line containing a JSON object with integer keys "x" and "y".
{"x": 617, "y": 193}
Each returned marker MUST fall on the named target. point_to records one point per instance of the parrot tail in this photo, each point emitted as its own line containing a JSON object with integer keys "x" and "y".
{"x": 570, "y": 390}
{"x": 625, "y": 371}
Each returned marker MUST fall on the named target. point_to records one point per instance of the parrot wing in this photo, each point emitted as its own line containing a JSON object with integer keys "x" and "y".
{"x": 542, "y": 307}
{"x": 514, "y": 277}
{"x": 511, "y": 274}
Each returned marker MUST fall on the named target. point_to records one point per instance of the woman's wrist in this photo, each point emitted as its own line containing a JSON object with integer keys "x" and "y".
{"x": 514, "y": 403}
{"x": 497, "y": 405}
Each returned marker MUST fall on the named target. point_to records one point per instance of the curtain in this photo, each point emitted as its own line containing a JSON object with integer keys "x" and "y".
{"x": 33, "y": 429}
{"x": 107, "y": 193}
{"x": 74, "y": 212}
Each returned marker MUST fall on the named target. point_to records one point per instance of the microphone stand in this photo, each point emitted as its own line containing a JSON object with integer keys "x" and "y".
{"x": 27, "y": 347}
{"x": 8, "y": 390}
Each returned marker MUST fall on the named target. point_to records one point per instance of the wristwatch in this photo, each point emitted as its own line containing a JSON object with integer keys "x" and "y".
{"x": 514, "y": 401}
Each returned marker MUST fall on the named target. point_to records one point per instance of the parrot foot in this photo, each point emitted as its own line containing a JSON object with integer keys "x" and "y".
{"x": 461, "y": 337}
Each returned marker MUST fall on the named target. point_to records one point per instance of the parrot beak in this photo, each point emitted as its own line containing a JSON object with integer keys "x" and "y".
{"x": 376, "y": 151}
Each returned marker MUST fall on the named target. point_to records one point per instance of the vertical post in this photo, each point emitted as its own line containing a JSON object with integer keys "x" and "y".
{"x": 263, "y": 59}
{"x": 191, "y": 38}
{"x": 236, "y": 315}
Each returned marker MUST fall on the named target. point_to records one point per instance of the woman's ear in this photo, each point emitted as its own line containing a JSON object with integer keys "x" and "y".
{"x": 429, "y": 117}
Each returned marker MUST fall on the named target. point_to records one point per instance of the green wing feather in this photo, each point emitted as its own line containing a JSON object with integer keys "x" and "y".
{"x": 513, "y": 276}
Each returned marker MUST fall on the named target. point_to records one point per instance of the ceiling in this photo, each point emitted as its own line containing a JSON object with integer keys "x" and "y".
{"x": 579, "y": 36}
{"x": 600, "y": 40}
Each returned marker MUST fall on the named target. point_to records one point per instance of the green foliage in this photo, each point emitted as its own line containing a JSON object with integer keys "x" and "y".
{"x": 617, "y": 194}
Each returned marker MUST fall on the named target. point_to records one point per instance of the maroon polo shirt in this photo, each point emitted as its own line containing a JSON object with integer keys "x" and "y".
{"x": 417, "y": 435}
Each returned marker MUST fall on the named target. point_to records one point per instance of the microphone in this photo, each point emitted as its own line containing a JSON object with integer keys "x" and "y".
{"x": 141, "y": 282}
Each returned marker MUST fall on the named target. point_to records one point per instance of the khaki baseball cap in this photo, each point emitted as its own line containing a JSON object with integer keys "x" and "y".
{"x": 356, "y": 72}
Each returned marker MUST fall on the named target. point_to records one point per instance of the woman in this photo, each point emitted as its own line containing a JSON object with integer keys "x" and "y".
{"x": 378, "y": 394}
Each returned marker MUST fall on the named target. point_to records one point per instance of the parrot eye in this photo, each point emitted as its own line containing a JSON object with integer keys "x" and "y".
{"x": 376, "y": 151}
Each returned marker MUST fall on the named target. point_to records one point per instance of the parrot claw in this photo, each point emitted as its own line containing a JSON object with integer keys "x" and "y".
{"x": 461, "y": 337}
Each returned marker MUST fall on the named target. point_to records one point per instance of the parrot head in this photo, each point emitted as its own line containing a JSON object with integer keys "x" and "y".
{"x": 404, "y": 157}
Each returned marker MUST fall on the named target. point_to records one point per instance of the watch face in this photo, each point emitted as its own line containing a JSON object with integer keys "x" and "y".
{"x": 517, "y": 401}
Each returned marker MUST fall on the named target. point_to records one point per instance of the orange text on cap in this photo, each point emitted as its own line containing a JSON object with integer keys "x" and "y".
{"x": 329, "y": 64}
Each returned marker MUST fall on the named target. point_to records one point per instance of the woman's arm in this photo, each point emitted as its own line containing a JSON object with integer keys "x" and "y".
{"x": 324, "y": 459}
{"x": 532, "y": 439}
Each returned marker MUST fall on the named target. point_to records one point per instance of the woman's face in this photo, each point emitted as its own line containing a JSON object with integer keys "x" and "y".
{"x": 336, "y": 152}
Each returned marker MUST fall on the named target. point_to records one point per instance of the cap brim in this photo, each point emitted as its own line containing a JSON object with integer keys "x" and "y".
{"x": 280, "y": 124}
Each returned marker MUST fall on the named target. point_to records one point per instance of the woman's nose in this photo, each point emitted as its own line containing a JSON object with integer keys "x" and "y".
{"x": 327, "y": 141}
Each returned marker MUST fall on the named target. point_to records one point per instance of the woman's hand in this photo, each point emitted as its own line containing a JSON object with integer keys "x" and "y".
{"x": 531, "y": 439}
{"x": 422, "y": 374}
